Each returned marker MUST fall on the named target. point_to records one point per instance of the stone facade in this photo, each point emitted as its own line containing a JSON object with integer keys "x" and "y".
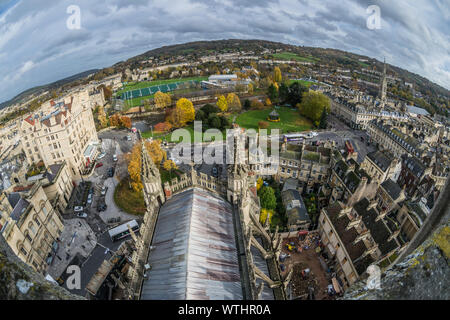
{"x": 63, "y": 131}
{"x": 31, "y": 226}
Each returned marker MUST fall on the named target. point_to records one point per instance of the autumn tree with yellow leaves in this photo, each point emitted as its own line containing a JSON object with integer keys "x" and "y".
{"x": 134, "y": 167}
{"x": 222, "y": 103}
{"x": 277, "y": 75}
{"x": 170, "y": 165}
{"x": 162, "y": 100}
{"x": 233, "y": 102}
{"x": 184, "y": 112}
{"x": 102, "y": 117}
{"x": 134, "y": 161}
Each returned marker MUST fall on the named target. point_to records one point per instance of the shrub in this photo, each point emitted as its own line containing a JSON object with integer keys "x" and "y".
{"x": 263, "y": 125}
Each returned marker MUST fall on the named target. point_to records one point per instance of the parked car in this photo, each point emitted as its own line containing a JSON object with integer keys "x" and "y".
{"x": 104, "y": 190}
{"x": 98, "y": 165}
{"x": 82, "y": 215}
{"x": 89, "y": 199}
{"x": 78, "y": 209}
{"x": 115, "y": 158}
{"x": 128, "y": 138}
{"x": 102, "y": 207}
{"x": 111, "y": 172}
{"x": 101, "y": 155}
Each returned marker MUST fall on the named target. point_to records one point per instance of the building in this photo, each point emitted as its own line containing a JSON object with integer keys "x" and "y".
{"x": 223, "y": 81}
{"x": 357, "y": 237}
{"x": 348, "y": 182}
{"x": 392, "y": 139}
{"x": 63, "y": 131}
{"x": 224, "y": 253}
{"x": 58, "y": 185}
{"x": 381, "y": 166}
{"x": 412, "y": 173}
{"x": 411, "y": 217}
{"x": 309, "y": 164}
{"x": 298, "y": 218}
{"x": 31, "y": 226}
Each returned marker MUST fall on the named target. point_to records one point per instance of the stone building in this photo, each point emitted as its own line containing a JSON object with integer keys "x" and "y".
{"x": 349, "y": 183}
{"x": 381, "y": 166}
{"x": 356, "y": 237}
{"x": 392, "y": 139}
{"x": 63, "y": 131}
{"x": 225, "y": 241}
{"x": 31, "y": 226}
{"x": 412, "y": 174}
{"x": 411, "y": 217}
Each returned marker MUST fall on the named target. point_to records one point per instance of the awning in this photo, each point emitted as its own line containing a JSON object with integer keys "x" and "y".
{"x": 303, "y": 233}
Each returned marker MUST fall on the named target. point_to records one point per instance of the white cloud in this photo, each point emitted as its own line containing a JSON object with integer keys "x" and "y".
{"x": 40, "y": 49}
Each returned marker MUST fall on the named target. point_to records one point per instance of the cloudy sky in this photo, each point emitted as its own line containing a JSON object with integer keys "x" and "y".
{"x": 37, "y": 47}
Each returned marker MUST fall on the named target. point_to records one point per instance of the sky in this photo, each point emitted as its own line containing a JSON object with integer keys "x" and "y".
{"x": 37, "y": 46}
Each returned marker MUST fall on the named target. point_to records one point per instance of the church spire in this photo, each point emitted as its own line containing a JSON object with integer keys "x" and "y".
{"x": 383, "y": 86}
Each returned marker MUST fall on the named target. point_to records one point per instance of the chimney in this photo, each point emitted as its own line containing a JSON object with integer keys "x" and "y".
{"x": 353, "y": 223}
{"x": 372, "y": 205}
{"x": 344, "y": 211}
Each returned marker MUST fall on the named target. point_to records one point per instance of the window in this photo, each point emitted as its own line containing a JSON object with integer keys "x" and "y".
{"x": 23, "y": 251}
{"x": 28, "y": 237}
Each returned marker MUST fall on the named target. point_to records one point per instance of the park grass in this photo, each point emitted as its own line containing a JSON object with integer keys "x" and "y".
{"x": 295, "y": 57}
{"x": 303, "y": 82}
{"x": 128, "y": 200}
{"x": 290, "y": 120}
{"x": 168, "y": 136}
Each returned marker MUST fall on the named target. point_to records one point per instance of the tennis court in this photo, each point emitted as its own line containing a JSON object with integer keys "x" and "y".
{"x": 144, "y": 92}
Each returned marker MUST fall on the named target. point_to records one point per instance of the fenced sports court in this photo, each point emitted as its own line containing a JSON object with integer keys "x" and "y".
{"x": 169, "y": 87}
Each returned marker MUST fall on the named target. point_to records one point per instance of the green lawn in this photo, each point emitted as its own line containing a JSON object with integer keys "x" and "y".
{"x": 294, "y": 56}
{"x": 168, "y": 136}
{"x": 290, "y": 120}
{"x": 303, "y": 82}
{"x": 129, "y": 200}
{"x": 166, "y": 176}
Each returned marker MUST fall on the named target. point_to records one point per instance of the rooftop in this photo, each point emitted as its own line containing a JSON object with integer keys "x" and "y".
{"x": 392, "y": 188}
{"x": 195, "y": 255}
{"x": 381, "y": 159}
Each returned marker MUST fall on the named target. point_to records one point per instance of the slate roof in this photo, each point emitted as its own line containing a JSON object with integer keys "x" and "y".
{"x": 19, "y": 209}
{"x": 415, "y": 166}
{"x": 378, "y": 229}
{"x": 195, "y": 255}
{"x": 294, "y": 213}
{"x": 347, "y": 237}
{"x": 392, "y": 188}
{"x": 382, "y": 160}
